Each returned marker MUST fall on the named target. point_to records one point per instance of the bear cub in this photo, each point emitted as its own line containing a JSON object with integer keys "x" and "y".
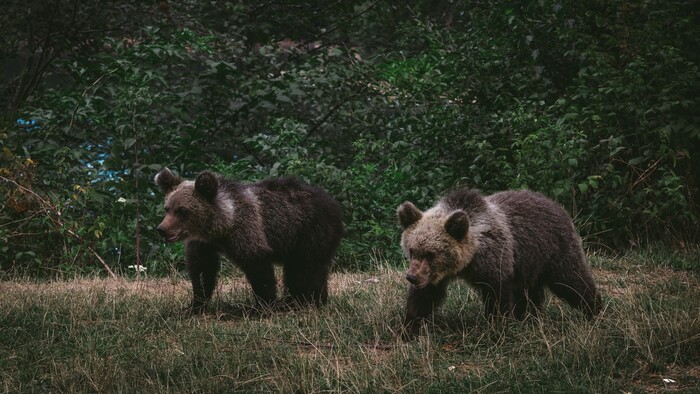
{"x": 509, "y": 246}
{"x": 283, "y": 221}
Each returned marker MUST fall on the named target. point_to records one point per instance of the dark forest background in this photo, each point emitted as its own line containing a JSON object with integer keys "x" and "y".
{"x": 595, "y": 104}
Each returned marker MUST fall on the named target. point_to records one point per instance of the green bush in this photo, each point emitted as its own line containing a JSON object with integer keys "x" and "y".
{"x": 592, "y": 104}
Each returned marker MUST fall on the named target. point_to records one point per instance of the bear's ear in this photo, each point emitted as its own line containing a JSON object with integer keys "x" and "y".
{"x": 206, "y": 185}
{"x": 408, "y": 214}
{"x": 457, "y": 225}
{"x": 166, "y": 180}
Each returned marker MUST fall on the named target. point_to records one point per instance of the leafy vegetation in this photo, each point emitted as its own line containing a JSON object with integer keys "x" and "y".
{"x": 593, "y": 104}
{"x": 127, "y": 335}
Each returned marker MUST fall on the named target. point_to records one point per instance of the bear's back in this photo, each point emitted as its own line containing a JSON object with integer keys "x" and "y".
{"x": 542, "y": 230}
{"x": 294, "y": 213}
{"x": 292, "y": 197}
{"x": 531, "y": 210}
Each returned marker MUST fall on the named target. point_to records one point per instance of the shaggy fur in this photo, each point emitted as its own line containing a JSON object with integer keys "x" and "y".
{"x": 279, "y": 220}
{"x": 509, "y": 246}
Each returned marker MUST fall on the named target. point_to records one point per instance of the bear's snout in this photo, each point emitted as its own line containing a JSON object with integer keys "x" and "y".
{"x": 168, "y": 237}
{"x": 418, "y": 274}
{"x": 161, "y": 232}
{"x": 418, "y": 282}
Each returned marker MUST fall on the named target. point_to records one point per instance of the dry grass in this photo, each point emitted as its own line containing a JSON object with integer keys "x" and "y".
{"x": 128, "y": 335}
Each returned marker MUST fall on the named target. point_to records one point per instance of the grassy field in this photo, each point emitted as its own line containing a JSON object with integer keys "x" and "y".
{"x": 127, "y": 335}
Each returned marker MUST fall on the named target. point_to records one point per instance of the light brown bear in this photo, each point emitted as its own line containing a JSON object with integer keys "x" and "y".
{"x": 281, "y": 220}
{"x": 509, "y": 246}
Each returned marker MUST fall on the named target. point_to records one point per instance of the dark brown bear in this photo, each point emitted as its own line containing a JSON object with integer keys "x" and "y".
{"x": 509, "y": 246}
{"x": 279, "y": 220}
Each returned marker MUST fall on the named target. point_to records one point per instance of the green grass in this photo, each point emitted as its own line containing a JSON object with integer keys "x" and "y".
{"x": 104, "y": 335}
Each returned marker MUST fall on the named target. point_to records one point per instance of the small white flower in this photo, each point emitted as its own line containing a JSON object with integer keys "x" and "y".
{"x": 121, "y": 200}
{"x": 451, "y": 368}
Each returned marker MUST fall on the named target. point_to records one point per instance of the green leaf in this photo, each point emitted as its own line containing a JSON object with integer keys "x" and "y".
{"x": 129, "y": 142}
{"x": 636, "y": 161}
{"x": 616, "y": 151}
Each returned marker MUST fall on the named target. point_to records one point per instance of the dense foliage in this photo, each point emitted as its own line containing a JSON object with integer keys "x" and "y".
{"x": 592, "y": 103}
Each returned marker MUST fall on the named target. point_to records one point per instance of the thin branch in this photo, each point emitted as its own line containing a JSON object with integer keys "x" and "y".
{"x": 136, "y": 176}
{"x": 323, "y": 120}
{"x": 77, "y": 105}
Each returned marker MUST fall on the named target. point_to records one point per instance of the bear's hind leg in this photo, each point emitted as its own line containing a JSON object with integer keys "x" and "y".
{"x": 306, "y": 282}
{"x": 578, "y": 290}
{"x": 535, "y": 297}
{"x": 203, "y": 264}
{"x": 521, "y": 304}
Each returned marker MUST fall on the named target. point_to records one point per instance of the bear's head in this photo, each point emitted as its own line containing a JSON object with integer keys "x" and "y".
{"x": 437, "y": 243}
{"x": 192, "y": 209}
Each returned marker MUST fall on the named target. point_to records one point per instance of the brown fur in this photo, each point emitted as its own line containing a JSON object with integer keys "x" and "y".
{"x": 255, "y": 225}
{"x": 509, "y": 246}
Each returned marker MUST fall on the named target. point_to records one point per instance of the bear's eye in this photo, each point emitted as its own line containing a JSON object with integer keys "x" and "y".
{"x": 430, "y": 256}
{"x": 182, "y": 212}
{"x": 167, "y": 209}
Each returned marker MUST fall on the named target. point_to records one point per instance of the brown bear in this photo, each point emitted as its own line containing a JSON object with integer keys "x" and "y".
{"x": 509, "y": 246}
{"x": 281, "y": 220}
